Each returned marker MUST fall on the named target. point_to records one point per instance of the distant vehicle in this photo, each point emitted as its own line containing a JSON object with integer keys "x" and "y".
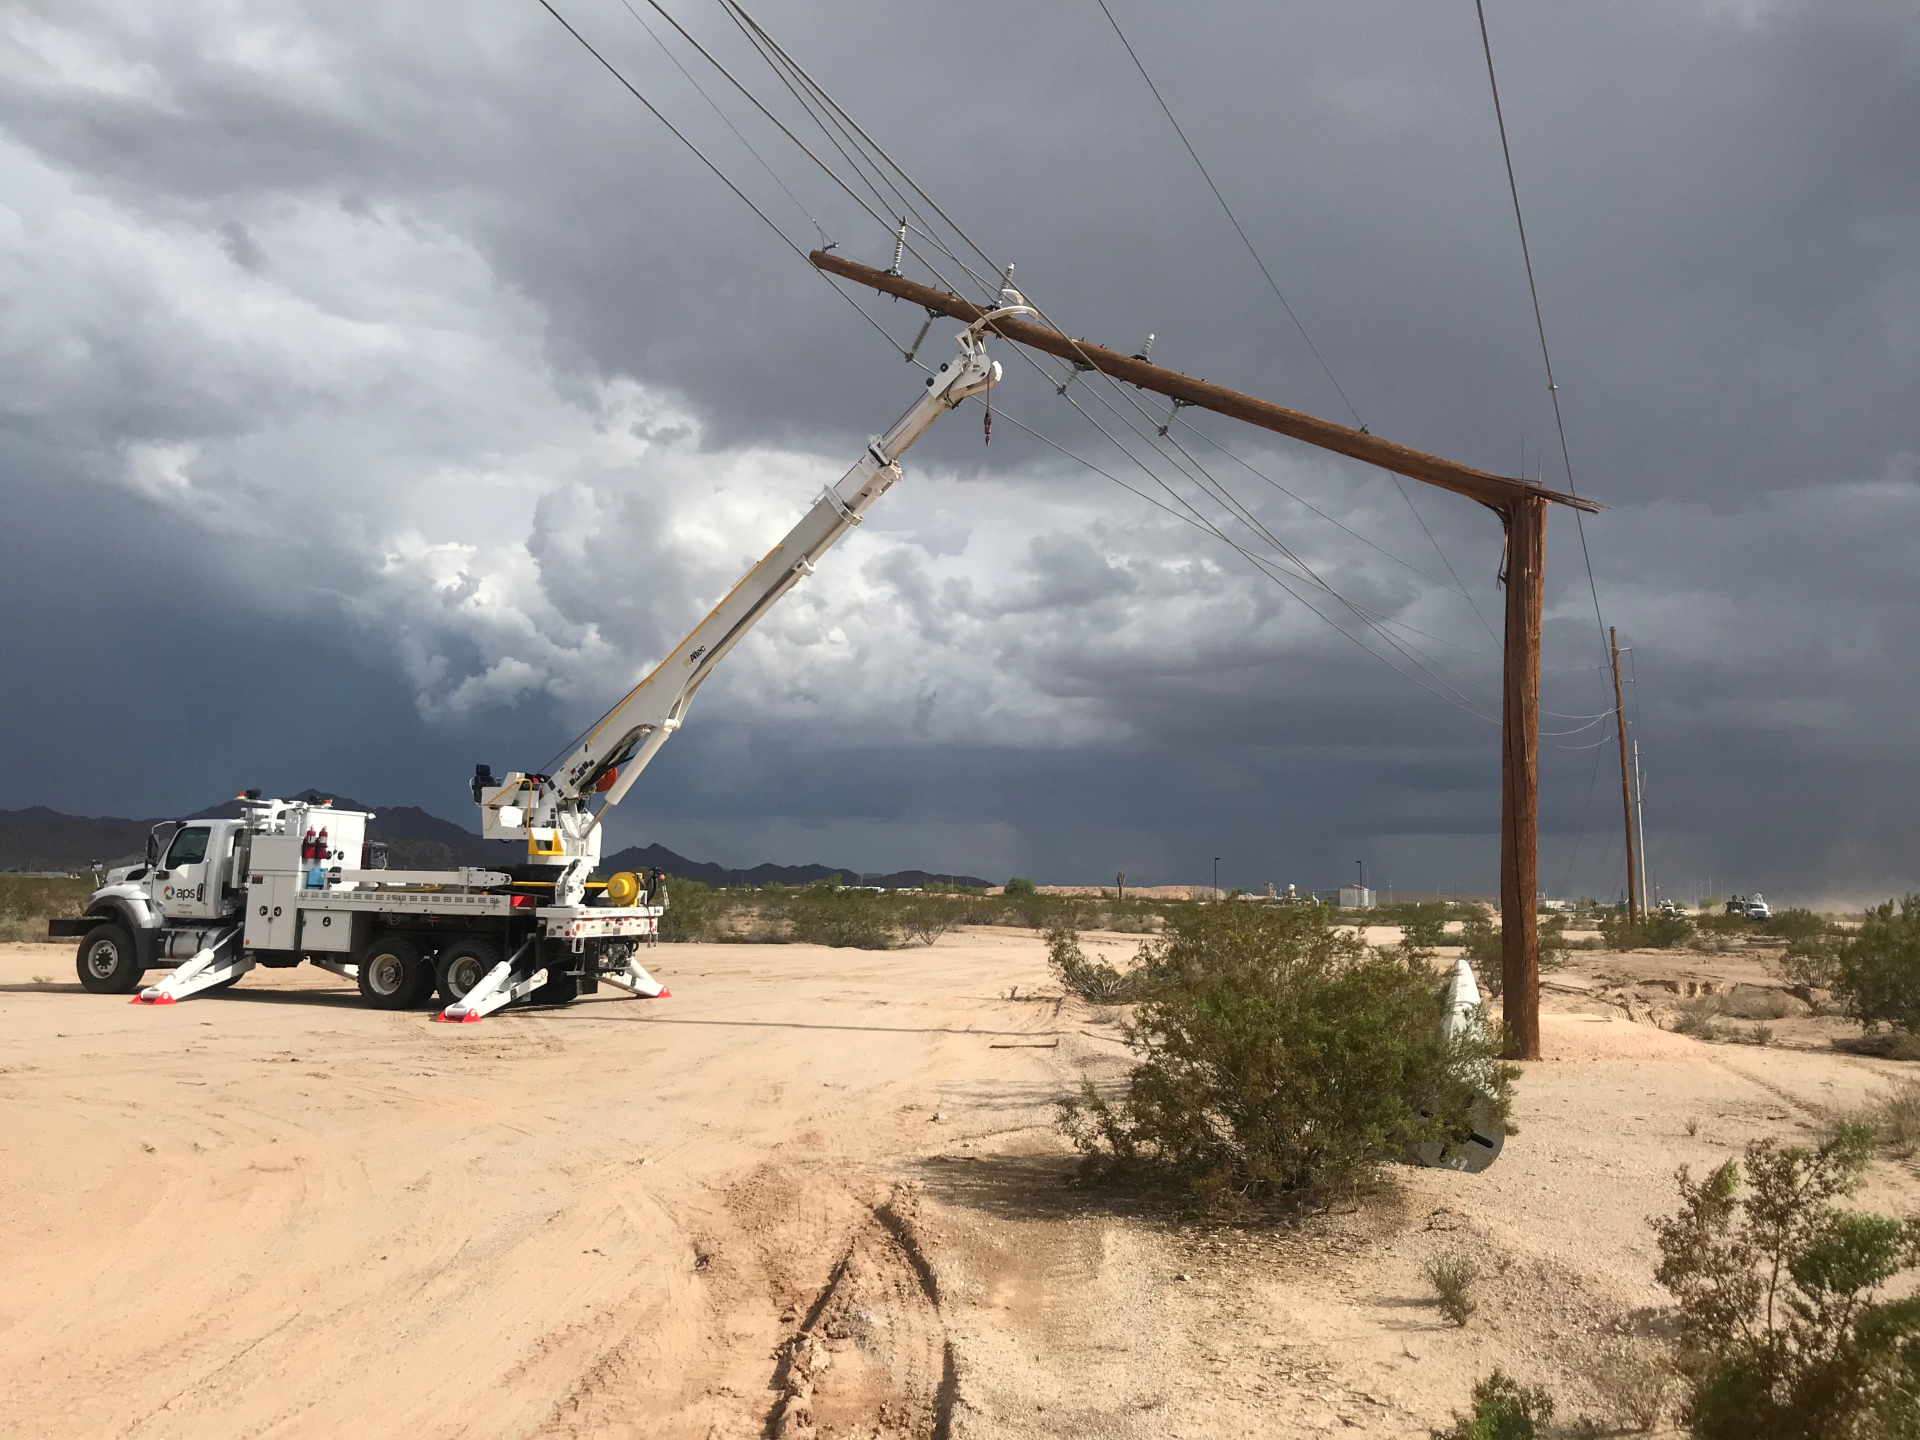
{"x": 1750, "y": 907}
{"x": 1672, "y": 907}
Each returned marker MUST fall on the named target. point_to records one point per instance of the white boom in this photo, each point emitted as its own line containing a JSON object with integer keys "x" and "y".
{"x": 551, "y": 812}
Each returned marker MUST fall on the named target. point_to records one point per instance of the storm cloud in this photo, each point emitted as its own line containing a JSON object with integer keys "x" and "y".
{"x": 384, "y": 392}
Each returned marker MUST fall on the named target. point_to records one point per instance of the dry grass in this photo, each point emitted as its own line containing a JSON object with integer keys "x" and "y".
{"x": 1452, "y": 1276}
{"x": 1893, "y": 1116}
{"x": 1881, "y": 1044}
{"x": 1698, "y": 1017}
{"x": 1636, "y": 1379}
{"x": 1758, "y": 1003}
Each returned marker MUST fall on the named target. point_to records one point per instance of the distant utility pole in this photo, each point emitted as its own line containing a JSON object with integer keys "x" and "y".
{"x": 1216, "y": 877}
{"x": 1640, "y": 811}
{"x": 1634, "y": 912}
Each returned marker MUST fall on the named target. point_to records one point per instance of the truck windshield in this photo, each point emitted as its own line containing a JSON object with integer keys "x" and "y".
{"x": 189, "y": 847}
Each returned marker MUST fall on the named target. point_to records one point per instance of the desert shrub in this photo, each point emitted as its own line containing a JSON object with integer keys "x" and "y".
{"x": 27, "y": 902}
{"x": 1636, "y": 1378}
{"x": 1663, "y": 930}
{"x": 1423, "y": 927}
{"x": 692, "y": 911}
{"x": 1794, "y": 923}
{"x": 1812, "y": 955}
{"x": 1093, "y": 980}
{"x": 1758, "y": 1004}
{"x": 1699, "y": 1017}
{"x": 1453, "y": 1276}
{"x": 1760, "y": 1035}
{"x": 1480, "y": 942}
{"x": 1554, "y": 947}
{"x": 827, "y": 914}
{"x": 1019, "y": 886}
{"x": 1280, "y": 1063}
{"x": 1782, "y": 1327}
{"x": 1894, "y": 1116}
{"x": 925, "y": 918}
{"x": 1877, "y": 968}
{"x": 1714, "y": 920}
{"x": 1658, "y": 931}
{"x": 1503, "y": 1409}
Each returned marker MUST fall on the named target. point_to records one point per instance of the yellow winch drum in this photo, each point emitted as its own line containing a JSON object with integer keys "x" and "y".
{"x": 623, "y": 889}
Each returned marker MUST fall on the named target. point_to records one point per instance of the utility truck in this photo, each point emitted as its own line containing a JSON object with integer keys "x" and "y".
{"x": 288, "y": 882}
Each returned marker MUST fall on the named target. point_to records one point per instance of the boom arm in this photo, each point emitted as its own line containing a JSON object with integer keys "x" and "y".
{"x": 551, "y": 811}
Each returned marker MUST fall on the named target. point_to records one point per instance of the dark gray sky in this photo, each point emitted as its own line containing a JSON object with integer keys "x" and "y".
{"x": 382, "y": 392}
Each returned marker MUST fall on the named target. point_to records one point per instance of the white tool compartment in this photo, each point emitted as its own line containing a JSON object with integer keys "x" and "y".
{"x": 323, "y": 930}
{"x": 273, "y": 913}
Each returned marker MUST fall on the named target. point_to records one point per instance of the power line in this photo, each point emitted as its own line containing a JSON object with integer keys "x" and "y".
{"x": 1546, "y": 360}
{"x": 1272, "y": 284}
{"x": 1238, "y": 229}
{"x": 1539, "y": 322}
{"x": 871, "y": 165}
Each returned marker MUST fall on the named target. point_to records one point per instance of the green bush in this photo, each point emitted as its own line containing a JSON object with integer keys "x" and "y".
{"x": 1093, "y": 980}
{"x": 1714, "y": 920}
{"x": 1482, "y": 942}
{"x": 1019, "y": 886}
{"x": 1658, "y": 931}
{"x": 1554, "y": 949}
{"x": 1281, "y": 1062}
{"x": 1453, "y": 1277}
{"x": 1423, "y": 927}
{"x": 1503, "y": 1409}
{"x": 28, "y": 902}
{"x": 692, "y": 911}
{"x": 827, "y": 914}
{"x": 926, "y": 918}
{"x": 1876, "y": 973}
{"x": 1782, "y": 1328}
{"x": 1794, "y": 924}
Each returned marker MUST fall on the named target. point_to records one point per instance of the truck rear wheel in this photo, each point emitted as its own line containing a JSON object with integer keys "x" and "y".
{"x": 463, "y": 965}
{"x": 391, "y": 971}
{"x": 108, "y": 962}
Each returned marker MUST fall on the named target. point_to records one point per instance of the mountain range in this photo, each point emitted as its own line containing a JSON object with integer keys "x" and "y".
{"x": 41, "y": 839}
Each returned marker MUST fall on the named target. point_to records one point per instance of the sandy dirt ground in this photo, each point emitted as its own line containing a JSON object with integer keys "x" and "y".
{"x": 817, "y": 1192}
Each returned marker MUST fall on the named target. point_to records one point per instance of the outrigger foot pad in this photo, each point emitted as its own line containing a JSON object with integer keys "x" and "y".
{"x": 204, "y": 971}
{"x": 498, "y": 989}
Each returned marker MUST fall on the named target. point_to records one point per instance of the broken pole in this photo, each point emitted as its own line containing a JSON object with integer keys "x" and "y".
{"x": 1522, "y": 508}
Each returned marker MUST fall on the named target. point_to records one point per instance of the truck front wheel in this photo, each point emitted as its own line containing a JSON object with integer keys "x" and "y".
{"x": 391, "y": 971}
{"x": 108, "y": 962}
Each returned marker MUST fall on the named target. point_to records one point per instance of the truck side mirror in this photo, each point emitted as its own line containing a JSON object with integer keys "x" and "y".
{"x": 153, "y": 847}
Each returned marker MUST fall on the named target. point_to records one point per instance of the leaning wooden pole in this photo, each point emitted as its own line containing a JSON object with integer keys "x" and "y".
{"x": 1526, "y": 522}
{"x": 1522, "y": 508}
{"x": 1636, "y": 903}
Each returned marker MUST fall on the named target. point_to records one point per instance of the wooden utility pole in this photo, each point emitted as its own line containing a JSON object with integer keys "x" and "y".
{"x": 1522, "y": 509}
{"x": 1636, "y": 909}
{"x": 1520, "y": 776}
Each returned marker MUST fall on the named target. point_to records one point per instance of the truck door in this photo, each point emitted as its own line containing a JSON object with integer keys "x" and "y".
{"x": 187, "y": 884}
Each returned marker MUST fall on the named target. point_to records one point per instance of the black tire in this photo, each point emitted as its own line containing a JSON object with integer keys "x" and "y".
{"x": 108, "y": 962}
{"x": 463, "y": 965}
{"x": 391, "y": 972}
